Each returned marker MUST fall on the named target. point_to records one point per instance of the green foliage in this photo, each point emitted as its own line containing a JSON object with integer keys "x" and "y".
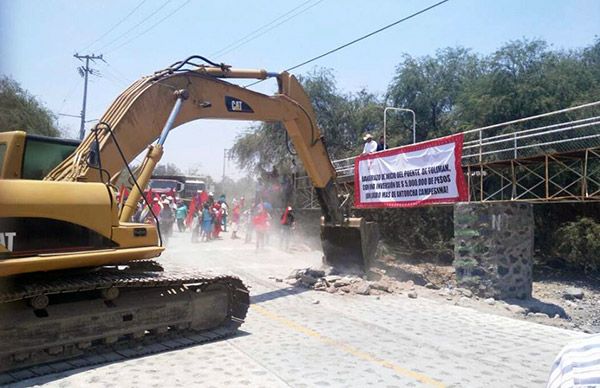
{"x": 21, "y": 111}
{"x": 525, "y": 78}
{"x": 342, "y": 118}
{"x": 578, "y": 244}
{"x": 431, "y": 87}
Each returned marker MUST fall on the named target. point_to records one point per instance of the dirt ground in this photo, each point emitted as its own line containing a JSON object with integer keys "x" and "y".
{"x": 552, "y": 303}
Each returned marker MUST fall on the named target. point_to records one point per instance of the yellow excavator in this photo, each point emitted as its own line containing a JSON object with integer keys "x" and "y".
{"x": 76, "y": 274}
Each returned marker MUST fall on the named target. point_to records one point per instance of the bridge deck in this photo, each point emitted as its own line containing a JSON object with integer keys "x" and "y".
{"x": 553, "y": 156}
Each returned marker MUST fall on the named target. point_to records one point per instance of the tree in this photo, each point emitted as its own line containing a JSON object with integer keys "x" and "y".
{"x": 525, "y": 78}
{"x": 21, "y": 111}
{"x": 431, "y": 87}
{"x": 342, "y": 118}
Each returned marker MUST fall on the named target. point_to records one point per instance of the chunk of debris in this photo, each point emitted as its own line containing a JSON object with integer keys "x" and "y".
{"x": 332, "y": 278}
{"x": 315, "y": 273}
{"x": 341, "y": 283}
{"x": 573, "y": 293}
{"x": 308, "y": 280}
{"x": 412, "y": 294}
{"x": 513, "y": 308}
{"x": 465, "y": 292}
{"x": 363, "y": 288}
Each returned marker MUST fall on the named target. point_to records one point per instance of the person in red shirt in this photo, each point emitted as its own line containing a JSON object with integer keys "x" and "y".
{"x": 261, "y": 225}
{"x": 218, "y": 217}
{"x": 235, "y": 219}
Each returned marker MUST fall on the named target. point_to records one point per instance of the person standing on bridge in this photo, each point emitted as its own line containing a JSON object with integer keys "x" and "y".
{"x": 370, "y": 144}
{"x": 381, "y": 144}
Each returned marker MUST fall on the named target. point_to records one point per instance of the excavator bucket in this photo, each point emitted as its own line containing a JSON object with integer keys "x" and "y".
{"x": 350, "y": 247}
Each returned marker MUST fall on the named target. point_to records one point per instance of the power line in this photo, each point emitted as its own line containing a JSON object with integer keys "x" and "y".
{"x": 135, "y": 26}
{"x": 273, "y": 27}
{"x": 117, "y": 74}
{"x": 224, "y": 49}
{"x": 358, "y": 39}
{"x": 69, "y": 93}
{"x": 115, "y": 25}
{"x": 151, "y": 27}
{"x": 110, "y": 72}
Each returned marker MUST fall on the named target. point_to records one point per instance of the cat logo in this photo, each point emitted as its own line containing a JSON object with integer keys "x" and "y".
{"x": 7, "y": 239}
{"x": 234, "y": 105}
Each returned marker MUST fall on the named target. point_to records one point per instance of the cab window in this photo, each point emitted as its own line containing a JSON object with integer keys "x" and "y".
{"x": 42, "y": 155}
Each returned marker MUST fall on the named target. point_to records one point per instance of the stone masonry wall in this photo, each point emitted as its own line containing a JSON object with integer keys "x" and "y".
{"x": 493, "y": 248}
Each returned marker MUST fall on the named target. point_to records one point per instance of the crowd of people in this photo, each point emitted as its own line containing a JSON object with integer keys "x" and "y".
{"x": 206, "y": 217}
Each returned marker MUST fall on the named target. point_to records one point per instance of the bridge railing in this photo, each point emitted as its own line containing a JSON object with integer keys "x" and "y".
{"x": 571, "y": 129}
{"x": 562, "y": 131}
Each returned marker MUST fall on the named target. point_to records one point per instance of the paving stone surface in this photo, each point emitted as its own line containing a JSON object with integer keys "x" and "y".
{"x": 350, "y": 340}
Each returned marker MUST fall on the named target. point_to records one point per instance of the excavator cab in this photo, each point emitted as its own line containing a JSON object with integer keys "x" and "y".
{"x": 26, "y": 156}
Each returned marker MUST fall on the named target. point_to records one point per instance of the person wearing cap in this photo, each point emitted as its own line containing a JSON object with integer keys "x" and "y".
{"x": 166, "y": 218}
{"x": 370, "y": 144}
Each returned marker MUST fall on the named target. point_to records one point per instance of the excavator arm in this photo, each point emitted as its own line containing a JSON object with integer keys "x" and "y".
{"x": 139, "y": 113}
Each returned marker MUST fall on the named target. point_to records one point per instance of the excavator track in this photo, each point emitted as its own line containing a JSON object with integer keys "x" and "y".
{"x": 52, "y": 324}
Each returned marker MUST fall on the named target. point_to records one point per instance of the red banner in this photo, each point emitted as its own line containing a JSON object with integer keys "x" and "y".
{"x": 414, "y": 175}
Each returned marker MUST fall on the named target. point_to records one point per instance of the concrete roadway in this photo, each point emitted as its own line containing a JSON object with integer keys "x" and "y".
{"x": 291, "y": 340}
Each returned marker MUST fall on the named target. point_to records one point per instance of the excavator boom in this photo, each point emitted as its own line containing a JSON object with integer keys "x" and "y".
{"x": 145, "y": 106}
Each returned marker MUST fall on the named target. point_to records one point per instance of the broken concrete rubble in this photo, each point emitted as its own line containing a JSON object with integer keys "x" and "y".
{"x": 320, "y": 280}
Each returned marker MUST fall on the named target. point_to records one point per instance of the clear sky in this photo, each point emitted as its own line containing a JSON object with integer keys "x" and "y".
{"x": 39, "y": 38}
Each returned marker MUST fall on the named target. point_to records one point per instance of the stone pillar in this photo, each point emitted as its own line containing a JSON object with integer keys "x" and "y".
{"x": 493, "y": 248}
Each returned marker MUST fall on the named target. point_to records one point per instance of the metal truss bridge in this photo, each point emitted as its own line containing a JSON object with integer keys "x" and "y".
{"x": 553, "y": 156}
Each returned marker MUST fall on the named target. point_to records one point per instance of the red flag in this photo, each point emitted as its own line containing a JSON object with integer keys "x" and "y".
{"x": 190, "y": 215}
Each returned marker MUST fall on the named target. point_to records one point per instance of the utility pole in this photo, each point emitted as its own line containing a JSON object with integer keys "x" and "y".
{"x": 225, "y": 154}
{"x": 84, "y": 71}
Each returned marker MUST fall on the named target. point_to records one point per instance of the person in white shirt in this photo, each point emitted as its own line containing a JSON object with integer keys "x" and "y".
{"x": 577, "y": 364}
{"x": 370, "y": 144}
